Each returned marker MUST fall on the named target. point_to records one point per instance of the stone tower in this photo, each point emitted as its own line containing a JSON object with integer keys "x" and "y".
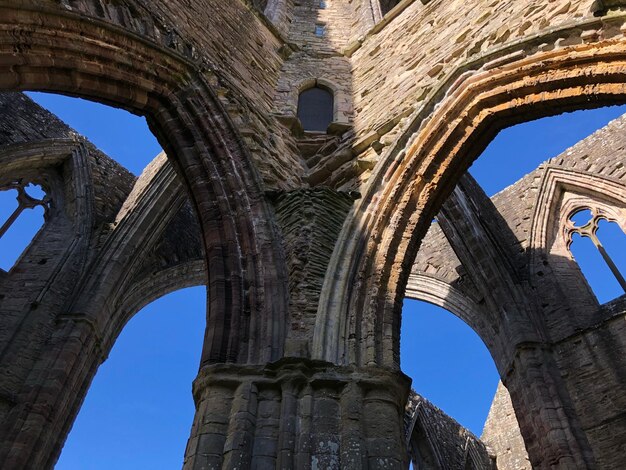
{"x": 310, "y": 225}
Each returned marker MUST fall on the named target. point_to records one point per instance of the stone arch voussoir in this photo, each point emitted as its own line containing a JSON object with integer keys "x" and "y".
{"x": 57, "y": 52}
{"x": 358, "y": 317}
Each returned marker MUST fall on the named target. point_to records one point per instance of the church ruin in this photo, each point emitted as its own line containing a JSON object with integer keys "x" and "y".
{"x": 308, "y": 146}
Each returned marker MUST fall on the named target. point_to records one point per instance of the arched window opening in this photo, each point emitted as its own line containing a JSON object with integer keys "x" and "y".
{"x": 421, "y": 452}
{"x": 434, "y": 352}
{"x": 597, "y": 245}
{"x": 316, "y": 109}
{"x": 121, "y": 135}
{"x": 23, "y": 208}
{"x": 439, "y": 371}
{"x": 139, "y": 408}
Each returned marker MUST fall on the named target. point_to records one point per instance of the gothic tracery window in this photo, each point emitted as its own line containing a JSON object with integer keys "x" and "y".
{"x": 23, "y": 210}
{"x": 593, "y": 238}
{"x": 387, "y": 5}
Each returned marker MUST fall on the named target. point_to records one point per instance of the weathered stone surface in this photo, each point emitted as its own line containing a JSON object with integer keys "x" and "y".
{"x": 305, "y": 277}
{"x": 437, "y": 441}
{"x": 573, "y": 319}
{"x": 502, "y": 435}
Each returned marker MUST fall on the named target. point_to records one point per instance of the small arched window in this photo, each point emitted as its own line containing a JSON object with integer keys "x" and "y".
{"x": 315, "y": 109}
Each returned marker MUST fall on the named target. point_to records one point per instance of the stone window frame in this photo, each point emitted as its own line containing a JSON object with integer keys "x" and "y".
{"x": 599, "y": 211}
{"x": 340, "y": 100}
{"x": 24, "y": 202}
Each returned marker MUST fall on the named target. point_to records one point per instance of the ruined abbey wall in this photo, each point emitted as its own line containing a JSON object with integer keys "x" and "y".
{"x": 586, "y": 336}
{"x": 306, "y": 241}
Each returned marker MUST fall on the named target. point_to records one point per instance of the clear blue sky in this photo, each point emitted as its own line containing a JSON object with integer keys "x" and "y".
{"x": 138, "y": 411}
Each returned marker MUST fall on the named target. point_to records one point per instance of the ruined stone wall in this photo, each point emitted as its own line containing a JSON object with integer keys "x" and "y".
{"x": 502, "y": 436}
{"x": 597, "y": 154}
{"x": 43, "y": 279}
{"x": 243, "y": 37}
{"x": 317, "y": 57}
{"x": 437, "y": 441}
{"x": 261, "y": 257}
{"x": 587, "y": 338}
{"x": 595, "y": 375}
{"x": 310, "y": 222}
{"x": 400, "y": 67}
{"x": 442, "y": 35}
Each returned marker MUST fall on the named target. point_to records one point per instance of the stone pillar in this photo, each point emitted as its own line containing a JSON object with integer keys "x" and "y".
{"x": 298, "y": 413}
{"x": 34, "y": 430}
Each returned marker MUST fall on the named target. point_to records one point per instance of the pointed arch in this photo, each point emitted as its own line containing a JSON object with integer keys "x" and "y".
{"x": 563, "y": 192}
{"x": 410, "y": 184}
{"x": 184, "y": 113}
{"x": 86, "y": 52}
{"x": 580, "y": 186}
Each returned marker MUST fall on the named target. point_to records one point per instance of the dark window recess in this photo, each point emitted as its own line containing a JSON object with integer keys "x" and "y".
{"x": 315, "y": 109}
{"x": 387, "y": 5}
{"x": 260, "y": 5}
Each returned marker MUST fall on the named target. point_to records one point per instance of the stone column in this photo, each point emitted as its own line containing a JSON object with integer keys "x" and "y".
{"x": 298, "y": 413}
{"x": 33, "y": 433}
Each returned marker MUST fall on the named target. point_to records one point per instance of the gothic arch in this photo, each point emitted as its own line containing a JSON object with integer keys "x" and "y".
{"x": 164, "y": 282}
{"x": 57, "y": 51}
{"x": 437, "y": 292}
{"x": 151, "y": 205}
{"x": 554, "y": 184}
{"x": 170, "y": 90}
{"x": 373, "y": 267}
{"x": 561, "y": 193}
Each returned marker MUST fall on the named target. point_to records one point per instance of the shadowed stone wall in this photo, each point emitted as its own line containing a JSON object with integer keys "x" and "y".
{"x": 585, "y": 337}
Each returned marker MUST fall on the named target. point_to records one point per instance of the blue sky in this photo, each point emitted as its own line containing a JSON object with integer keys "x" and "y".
{"x": 138, "y": 411}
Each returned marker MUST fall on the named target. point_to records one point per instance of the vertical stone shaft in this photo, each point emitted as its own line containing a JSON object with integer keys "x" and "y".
{"x": 522, "y": 350}
{"x": 297, "y": 414}
{"x": 50, "y": 399}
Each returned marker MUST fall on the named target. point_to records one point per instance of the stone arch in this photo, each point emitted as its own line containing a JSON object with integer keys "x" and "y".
{"x": 155, "y": 199}
{"x": 164, "y": 282}
{"x": 442, "y": 294}
{"x": 59, "y": 52}
{"x": 187, "y": 118}
{"x": 446, "y": 136}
